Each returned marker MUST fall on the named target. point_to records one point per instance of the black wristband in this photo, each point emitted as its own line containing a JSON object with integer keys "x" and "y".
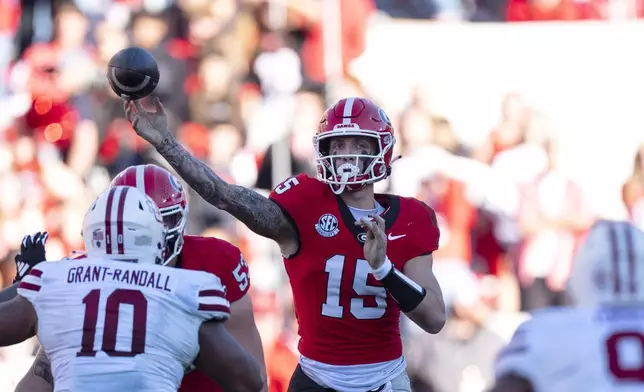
{"x": 405, "y": 291}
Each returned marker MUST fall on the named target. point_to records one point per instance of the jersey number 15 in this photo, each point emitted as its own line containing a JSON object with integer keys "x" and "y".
{"x": 334, "y": 268}
{"x": 139, "y": 304}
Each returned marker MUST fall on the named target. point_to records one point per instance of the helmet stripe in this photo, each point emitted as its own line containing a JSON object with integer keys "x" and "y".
{"x": 348, "y": 110}
{"x": 614, "y": 258}
{"x": 108, "y": 221}
{"x": 630, "y": 251}
{"x": 119, "y": 220}
{"x": 128, "y": 177}
{"x": 140, "y": 178}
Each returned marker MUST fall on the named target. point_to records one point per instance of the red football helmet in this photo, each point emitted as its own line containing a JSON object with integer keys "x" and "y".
{"x": 354, "y": 117}
{"x": 166, "y": 191}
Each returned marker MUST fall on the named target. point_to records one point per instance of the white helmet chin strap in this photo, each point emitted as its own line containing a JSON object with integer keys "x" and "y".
{"x": 338, "y": 189}
{"x": 346, "y": 170}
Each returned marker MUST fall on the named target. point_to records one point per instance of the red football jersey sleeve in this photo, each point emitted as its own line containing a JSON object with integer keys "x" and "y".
{"x": 424, "y": 230}
{"x": 220, "y": 258}
{"x": 294, "y": 195}
{"x": 234, "y": 275}
{"x": 224, "y": 260}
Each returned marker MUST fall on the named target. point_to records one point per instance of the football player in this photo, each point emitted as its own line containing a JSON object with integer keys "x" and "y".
{"x": 120, "y": 320}
{"x": 355, "y": 259}
{"x": 598, "y": 344}
{"x": 183, "y": 251}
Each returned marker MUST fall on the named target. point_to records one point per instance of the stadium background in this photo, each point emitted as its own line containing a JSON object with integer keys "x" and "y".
{"x": 517, "y": 134}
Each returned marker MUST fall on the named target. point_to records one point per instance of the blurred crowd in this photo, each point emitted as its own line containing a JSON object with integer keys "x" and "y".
{"x": 245, "y": 83}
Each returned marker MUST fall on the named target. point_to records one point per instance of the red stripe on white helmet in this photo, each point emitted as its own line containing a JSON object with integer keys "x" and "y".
{"x": 605, "y": 268}
{"x": 108, "y": 221}
{"x": 119, "y": 219}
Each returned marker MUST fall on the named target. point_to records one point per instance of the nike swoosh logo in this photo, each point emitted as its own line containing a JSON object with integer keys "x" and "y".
{"x": 395, "y": 237}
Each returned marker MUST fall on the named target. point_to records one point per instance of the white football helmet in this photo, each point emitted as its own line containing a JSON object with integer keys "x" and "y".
{"x": 608, "y": 268}
{"x": 125, "y": 224}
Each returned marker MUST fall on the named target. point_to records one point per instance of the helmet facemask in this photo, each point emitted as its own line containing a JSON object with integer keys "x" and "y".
{"x": 175, "y": 218}
{"x": 352, "y": 171}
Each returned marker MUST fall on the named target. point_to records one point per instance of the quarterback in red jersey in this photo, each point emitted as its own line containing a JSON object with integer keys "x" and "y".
{"x": 188, "y": 252}
{"x": 355, "y": 259}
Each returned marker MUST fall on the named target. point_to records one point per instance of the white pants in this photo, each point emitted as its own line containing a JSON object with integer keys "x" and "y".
{"x": 399, "y": 384}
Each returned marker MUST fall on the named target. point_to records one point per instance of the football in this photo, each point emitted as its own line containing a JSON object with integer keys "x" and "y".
{"x": 133, "y": 73}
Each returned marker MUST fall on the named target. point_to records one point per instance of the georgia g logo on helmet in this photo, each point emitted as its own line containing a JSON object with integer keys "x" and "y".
{"x": 175, "y": 183}
{"x": 384, "y": 117}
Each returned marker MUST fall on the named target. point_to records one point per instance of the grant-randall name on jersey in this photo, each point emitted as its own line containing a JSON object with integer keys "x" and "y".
{"x": 87, "y": 274}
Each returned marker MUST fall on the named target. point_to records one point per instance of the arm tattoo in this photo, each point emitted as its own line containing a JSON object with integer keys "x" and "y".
{"x": 257, "y": 212}
{"x": 42, "y": 369}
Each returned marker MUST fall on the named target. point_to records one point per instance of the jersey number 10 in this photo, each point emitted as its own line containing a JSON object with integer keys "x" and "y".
{"x": 615, "y": 365}
{"x": 139, "y": 304}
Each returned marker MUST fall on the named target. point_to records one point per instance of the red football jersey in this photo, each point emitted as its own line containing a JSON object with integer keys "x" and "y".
{"x": 345, "y": 316}
{"x": 224, "y": 260}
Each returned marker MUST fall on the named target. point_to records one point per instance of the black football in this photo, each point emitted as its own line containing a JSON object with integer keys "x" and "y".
{"x": 133, "y": 73}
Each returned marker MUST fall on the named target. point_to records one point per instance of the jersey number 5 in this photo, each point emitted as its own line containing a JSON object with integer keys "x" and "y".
{"x": 241, "y": 275}
{"x": 332, "y": 308}
{"x": 139, "y": 304}
{"x": 632, "y": 371}
{"x": 286, "y": 185}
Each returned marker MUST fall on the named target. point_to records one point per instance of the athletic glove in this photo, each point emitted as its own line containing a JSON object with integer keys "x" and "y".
{"x": 32, "y": 252}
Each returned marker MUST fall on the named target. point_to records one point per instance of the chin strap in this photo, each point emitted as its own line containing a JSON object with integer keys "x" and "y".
{"x": 347, "y": 171}
{"x": 338, "y": 189}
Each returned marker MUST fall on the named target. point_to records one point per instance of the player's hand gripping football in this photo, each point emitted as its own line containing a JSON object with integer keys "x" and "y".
{"x": 375, "y": 245}
{"x": 151, "y": 126}
{"x": 32, "y": 252}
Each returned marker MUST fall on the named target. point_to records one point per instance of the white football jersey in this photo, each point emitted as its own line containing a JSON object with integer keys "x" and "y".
{"x": 578, "y": 349}
{"x": 118, "y": 326}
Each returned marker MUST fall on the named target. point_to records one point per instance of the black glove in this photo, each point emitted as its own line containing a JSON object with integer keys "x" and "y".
{"x": 32, "y": 252}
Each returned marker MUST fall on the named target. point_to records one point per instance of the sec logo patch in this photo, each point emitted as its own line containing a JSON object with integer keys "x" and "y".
{"x": 327, "y": 226}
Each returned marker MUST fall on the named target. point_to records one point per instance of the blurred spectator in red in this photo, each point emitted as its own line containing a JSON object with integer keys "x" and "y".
{"x": 508, "y": 133}
{"x": 9, "y": 15}
{"x": 61, "y": 74}
{"x": 455, "y": 216}
{"x": 448, "y": 197}
{"x": 283, "y": 356}
{"x": 552, "y": 217}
